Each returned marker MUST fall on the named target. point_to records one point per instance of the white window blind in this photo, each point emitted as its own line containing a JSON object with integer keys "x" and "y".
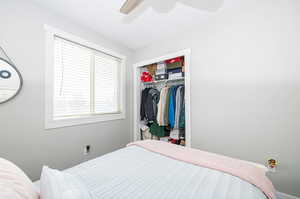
{"x": 86, "y": 81}
{"x": 106, "y": 84}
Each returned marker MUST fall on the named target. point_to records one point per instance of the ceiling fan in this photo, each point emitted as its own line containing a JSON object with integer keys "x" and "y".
{"x": 163, "y": 6}
{"x": 129, "y": 5}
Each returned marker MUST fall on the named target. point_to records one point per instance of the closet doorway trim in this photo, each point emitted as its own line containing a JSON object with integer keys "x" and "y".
{"x": 136, "y": 91}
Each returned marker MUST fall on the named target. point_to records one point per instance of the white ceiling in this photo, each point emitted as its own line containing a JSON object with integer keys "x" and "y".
{"x": 152, "y": 21}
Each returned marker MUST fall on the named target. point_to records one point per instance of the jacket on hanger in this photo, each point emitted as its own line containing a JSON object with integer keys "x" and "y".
{"x": 182, "y": 110}
{"x": 172, "y": 106}
{"x": 150, "y": 98}
{"x": 143, "y": 100}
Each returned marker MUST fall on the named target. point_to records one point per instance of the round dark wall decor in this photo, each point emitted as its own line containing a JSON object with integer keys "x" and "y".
{"x": 10, "y": 78}
{"x": 5, "y": 74}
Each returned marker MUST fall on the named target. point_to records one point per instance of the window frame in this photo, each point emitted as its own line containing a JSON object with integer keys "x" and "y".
{"x": 50, "y": 122}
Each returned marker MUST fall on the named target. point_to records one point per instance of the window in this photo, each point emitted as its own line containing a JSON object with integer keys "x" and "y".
{"x": 84, "y": 83}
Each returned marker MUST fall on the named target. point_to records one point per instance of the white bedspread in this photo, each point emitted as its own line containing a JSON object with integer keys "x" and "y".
{"x": 134, "y": 172}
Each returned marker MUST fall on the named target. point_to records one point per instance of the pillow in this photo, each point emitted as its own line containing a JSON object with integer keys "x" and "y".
{"x": 60, "y": 185}
{"x": 14, "y": 184}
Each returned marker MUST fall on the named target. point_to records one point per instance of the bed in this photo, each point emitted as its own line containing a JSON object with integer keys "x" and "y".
{"x": 138, "y": 172}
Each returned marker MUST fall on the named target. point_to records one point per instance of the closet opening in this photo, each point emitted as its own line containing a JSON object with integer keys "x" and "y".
{"x": 162, "y": 99}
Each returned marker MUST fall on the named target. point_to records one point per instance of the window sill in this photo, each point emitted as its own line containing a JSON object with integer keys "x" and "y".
{"x": 81, "y": 120}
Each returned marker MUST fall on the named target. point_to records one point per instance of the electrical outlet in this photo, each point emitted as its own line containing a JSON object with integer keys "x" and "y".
{"x": 87, "y": 150}
{"x": 272, "y": 165}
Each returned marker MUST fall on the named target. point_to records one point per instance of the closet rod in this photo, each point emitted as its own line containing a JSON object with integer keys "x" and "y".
{"x": 164, "y": 80}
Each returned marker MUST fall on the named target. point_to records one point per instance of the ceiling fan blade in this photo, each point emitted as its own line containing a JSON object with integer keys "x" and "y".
{"x": 129, "y": 5}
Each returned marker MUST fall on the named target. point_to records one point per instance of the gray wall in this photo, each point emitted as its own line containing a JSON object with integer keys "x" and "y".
{"x": 23, "y": 139}
{"x": 245, "y": 84}
{"x": 245, "y": 88}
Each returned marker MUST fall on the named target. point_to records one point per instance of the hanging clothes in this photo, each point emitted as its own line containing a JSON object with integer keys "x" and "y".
{"x": 178, "y": 106}
{"x": 171, "y": 109}
{"x": 166, "y": 116}
{"x": 175, "y": 131}
{"x": 152, "y": 100}
{"x": 172, "y": 106}
{"x": 182, "y": 110}
{"x": 149, "y": 100}
{"x": 166, "y": 108}
{"x": 159, "y": 108}
{"x": 143, "y": 101}
{"x": 163, "y": 102}
{"x": 164, "y": 111}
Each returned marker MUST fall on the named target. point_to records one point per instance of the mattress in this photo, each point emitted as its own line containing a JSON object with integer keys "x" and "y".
{"x": 134, "y": 172}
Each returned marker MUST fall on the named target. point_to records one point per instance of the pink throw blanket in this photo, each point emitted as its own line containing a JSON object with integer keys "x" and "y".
{"x": 235, "y": 167}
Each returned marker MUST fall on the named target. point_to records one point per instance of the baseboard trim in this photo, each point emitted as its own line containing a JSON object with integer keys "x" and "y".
{"x": 281, "y": 195}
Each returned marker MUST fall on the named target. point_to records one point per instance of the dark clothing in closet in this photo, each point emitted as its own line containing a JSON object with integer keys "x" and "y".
{"x": 143, "y": 101}
{"x": 150, "y": 98}
{"x": 182, "y": 110}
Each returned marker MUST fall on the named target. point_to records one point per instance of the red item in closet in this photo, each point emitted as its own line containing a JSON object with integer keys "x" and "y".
{"x": 173, "y": 141}
{"x": 146, "y": 77}
{"x": 176, "y": 59}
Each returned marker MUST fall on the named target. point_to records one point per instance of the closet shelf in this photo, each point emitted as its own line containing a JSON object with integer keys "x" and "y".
{"x": 164, "y": 81}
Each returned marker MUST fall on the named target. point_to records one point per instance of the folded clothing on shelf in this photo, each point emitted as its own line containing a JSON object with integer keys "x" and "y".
{"x": 161, "y": 76}
{"x": 175, "y": 70}
{"x": 161, "y": 68}
{"x": 152, "y": 69}
{"x": 175, "y": 62}
{"x": 146, "y": 77}
{"x": 176, "y": 75}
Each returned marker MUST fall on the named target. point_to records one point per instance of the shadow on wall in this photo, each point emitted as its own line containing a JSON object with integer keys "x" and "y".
{"x": 166, "y": 6}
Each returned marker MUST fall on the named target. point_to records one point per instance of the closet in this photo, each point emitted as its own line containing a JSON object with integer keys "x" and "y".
{"x": 162, "y": 99}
